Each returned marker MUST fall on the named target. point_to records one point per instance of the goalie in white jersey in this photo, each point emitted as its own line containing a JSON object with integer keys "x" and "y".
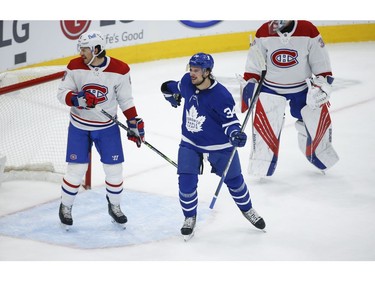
{"x": 91, "y": 79}
{"x": 298, "y": 72}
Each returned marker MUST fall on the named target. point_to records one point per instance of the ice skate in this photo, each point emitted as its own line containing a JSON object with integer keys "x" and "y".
{"x": 256, "y": 220}
{"x": 117, "y": 215}
{"x": 187, "y": 229}
{"x": 65, "y": 214}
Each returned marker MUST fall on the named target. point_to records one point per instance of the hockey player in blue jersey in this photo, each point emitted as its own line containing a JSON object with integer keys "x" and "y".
{"x": 210, "y": 127}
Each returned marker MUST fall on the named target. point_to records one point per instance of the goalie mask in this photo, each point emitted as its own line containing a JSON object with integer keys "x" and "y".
{"x": 91, "y": 39}
{"x": 202, "y": 60}
{"x": 277, "y": 25}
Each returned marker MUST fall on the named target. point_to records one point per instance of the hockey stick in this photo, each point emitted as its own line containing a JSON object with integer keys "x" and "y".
{"x": 114, "y": 119}
{"x": 248, "y": 114}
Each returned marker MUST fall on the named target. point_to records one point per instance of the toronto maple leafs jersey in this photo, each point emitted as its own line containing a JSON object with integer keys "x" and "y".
{"x": 208, "y": 115}
{"x": 110, "y": 84}
{"x": 291, "y": 57}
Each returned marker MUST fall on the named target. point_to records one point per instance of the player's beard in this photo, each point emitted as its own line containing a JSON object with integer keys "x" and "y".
{"x": 85, "y": 59}
{"x": 88, "y": 60}
{"x": 198, "y": 81}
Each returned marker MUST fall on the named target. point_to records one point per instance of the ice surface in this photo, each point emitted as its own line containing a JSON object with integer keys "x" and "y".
{"x": 309, "y": 216}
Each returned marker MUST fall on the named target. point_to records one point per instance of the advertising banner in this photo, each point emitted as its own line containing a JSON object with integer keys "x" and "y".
{"x": 23, "y": 43}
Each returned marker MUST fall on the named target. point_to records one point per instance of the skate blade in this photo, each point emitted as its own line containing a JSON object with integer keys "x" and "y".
{"x": 119, "y": 225}
{"x": 188, "y": 237}
{"x": 263, "y": 230}
{"x": 65, "y": 227}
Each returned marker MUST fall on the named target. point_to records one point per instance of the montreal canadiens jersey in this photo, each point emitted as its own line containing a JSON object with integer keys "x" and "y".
{"x": 110, "y": 84}
{"x": 290, "y": 57}
{"x": 208, "y": 115}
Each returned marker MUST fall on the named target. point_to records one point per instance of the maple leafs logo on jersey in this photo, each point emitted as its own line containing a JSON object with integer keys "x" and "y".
{"x": 193, "y": 121}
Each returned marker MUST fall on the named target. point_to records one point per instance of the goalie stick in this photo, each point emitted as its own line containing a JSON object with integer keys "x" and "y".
{"x": 114, "y": 119}
{"x": 248, "y": 114}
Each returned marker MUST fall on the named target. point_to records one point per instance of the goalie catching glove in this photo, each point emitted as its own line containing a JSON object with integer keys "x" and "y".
{"x": 84, "y": 99}
{"x": 136, "y": 131}
{"x": 319, "y": 92}
{"x": 174, "y": 99}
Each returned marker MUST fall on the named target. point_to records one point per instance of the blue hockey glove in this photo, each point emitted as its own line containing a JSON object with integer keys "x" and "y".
{"x": 137, "y": 132}
{"x": 84, "y": 99}
{"x": 174, "y": 99}
{"x": 238, "y": 138}
{"x": 247, "y": 95}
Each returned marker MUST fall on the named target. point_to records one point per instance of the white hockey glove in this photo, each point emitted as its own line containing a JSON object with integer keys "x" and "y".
{"x": 319, "y": 92}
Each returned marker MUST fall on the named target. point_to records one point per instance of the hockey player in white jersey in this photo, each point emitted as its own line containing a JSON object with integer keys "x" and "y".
{"x": 298, "y": 72}
{"x": 96, "y": 79}
{"x": 210, "y": 129}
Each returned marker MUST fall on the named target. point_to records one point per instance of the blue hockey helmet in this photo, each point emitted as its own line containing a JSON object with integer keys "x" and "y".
{"x": 202, "y": 60}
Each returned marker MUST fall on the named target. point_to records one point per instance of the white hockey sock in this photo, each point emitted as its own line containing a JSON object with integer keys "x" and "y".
{"x": 71, "y": 182}
{"x": 113, "y": 182}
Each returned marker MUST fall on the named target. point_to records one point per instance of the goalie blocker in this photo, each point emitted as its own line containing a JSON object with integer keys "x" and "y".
{"x": 314, "y": 135}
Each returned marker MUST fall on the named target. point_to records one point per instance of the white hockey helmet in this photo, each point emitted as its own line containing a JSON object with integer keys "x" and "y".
{"x": 91, "y": 39}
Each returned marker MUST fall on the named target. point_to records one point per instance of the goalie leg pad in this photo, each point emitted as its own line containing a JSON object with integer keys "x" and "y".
{"x": 318, "y": 142}
{"x": 267, "y": 126}
{"x": 302, "y": 135}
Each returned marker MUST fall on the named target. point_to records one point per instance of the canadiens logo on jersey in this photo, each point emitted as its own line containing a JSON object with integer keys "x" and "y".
{"x": 193, "y": 121}
{"x": 284, "y": 58}
{"x": 98, "y": 90}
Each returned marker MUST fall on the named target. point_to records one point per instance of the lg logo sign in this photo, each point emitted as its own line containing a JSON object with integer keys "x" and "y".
{"x": 20, "y": 33}
{"x": 20, "y": 40}
{"x": 72, "y": 29}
